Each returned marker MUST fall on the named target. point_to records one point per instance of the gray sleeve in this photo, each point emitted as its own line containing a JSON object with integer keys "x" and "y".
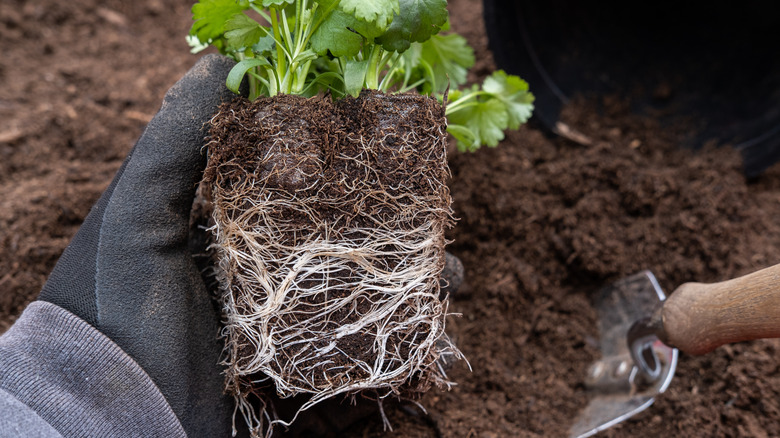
{"x": 16, "y": 420}
{"x": 59, "y": 376}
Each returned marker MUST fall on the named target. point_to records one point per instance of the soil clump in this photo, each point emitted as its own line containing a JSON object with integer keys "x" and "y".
{"x": 329, "y": 221}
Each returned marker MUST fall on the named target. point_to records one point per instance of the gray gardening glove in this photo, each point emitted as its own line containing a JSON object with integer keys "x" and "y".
{"x": 128, "y": 271}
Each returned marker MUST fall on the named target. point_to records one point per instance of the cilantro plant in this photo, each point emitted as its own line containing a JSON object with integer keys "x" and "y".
{"x": 305, "y": 47}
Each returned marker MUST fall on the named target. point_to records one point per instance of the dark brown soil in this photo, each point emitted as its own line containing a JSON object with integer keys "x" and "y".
{"x": 543, "y": 223}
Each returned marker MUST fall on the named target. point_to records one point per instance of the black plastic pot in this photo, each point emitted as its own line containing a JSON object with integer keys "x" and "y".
{"x": 716, "y": 63}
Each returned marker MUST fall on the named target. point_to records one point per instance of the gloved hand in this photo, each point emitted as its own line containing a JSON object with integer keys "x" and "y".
{"x": 128, "y": 271}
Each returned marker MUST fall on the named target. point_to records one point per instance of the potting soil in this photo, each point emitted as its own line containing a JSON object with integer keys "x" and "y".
{"x": 543, "y": 223}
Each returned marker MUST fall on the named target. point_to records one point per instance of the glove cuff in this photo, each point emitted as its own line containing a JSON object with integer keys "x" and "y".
{"x": 78, "y": 380}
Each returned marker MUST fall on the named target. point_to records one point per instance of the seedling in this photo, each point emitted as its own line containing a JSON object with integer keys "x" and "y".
{"x": 304, "y": 47}
{"x": 329, "y": 191}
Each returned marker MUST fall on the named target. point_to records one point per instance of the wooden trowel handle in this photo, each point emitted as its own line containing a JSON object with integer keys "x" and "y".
{"x": 698, "y": 318}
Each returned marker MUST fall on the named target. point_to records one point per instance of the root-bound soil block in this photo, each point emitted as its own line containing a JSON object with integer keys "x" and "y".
{"x": 329, "y": 234}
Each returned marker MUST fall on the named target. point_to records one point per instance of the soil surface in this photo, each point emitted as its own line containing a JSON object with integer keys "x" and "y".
{"x": 544, "y": 223}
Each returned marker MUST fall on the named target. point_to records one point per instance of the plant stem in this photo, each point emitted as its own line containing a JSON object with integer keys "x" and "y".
{"x": 281, "y": 64}
{"x": 374, "y": 67}
{"x": 464, "y": 101}
{"x": 391, "y": 60}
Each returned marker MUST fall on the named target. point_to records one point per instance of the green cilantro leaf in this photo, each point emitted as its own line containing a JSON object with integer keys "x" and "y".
{"x": 450, "y": 57}
{"x": 417, "y": 21}
{"x": 466, "y": 139}
{"x": 480, "y": 116}
{"x": 341, "y": 34}
{"x": 242, "y": 31}
{"x": 378, "y": 12}
{"x": 264, "y": 46}
{"x": 211, "y": 16}
{"x": 513, "y": 92}
{"x": 487, "y": 120}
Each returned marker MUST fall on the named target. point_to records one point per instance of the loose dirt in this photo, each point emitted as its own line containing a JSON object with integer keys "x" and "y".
{"x": 544, "y": 223}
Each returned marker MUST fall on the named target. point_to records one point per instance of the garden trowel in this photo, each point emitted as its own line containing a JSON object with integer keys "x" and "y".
{"x": 641, "y": 332}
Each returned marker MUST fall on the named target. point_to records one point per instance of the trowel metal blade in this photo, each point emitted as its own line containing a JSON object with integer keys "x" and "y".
{"x": 617, "y": 389}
